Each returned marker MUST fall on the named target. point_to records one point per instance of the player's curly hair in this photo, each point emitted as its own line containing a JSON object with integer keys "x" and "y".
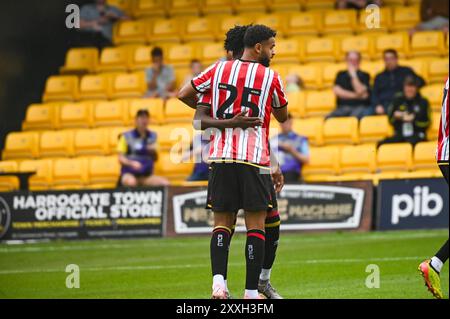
{"x": 234, "y": 40}
{"x": 256, "y": 34}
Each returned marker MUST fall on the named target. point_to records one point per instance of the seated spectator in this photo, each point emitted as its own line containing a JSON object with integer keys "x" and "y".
{"x": 293, "y": 83}
{"x": 199, "y": 147}
{"x": 390, "y": 81}
{"x": 137, "y": 154}
{"x": 160, "y": 77}
{"x": 196, "y": 69}
{"x": 434, "y": 16}
{"x": 355, "y": 4}
{"x": 409, "y": 114}
{"x": 96, "y": 23}
{"x": 352, "y": 89}
{"x": 293, "y": 151}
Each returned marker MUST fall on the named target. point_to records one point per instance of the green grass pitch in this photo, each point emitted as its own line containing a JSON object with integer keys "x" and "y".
{"x": 320, "y": 265}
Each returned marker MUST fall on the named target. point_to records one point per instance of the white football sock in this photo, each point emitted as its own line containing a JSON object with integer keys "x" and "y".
{"x": 253, "y": 294}
{"x": 218, "y": 280}
{"x": 265, "y": 274}
{"x": 436, "y": 263}
{"x": 226, "y": 285}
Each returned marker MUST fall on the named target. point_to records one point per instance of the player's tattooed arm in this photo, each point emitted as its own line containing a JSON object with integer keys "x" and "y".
{"x": 203, "y": 120}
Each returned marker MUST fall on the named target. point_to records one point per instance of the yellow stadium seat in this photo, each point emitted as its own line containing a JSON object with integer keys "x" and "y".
{"x": 368, "y": 22}
{"x": 165, "y": 30}
{"x": 61, "y": 88}
{"x": 227, "y": 22}
{"x": 419, "y": 65}
{"x": 211, "y": 52}
{"x": 114, "y": 59}
{"x": 323, "y": 163}
{"x": 276, "y": 21}
{"x": 319, "y": 49}
{"x": 155, "y": 106}
{"x": 171, "y": 134}
{"x": 303, "y": 23}
{"x": 312, "y": 128}
{"x": 129, "y": 85}
{"x": 320, "y": 102}
{"x": 394, "y": 158}
{"x": 95, "y": 86}
{"x": 91, "y": 142}
{"x": 341, "y": 130}
{"x": 339, "y": 21}
{"x": 284, "y": 5}
{"x": 149, "y": 8}
{"x": 361, "y": 43}
{"x": 130, "y": 31}
{"x": 373, "y": 68}
{"x": 433, "y": 130}
{"x": 21, "y": 145}
{"x": 104, "y": 172}
{"x": 357, "y": 160}
{"x": 114, "y": 134}
{"x": 140, "y": 58}
{"x": 177, "y": 111}
{"x": 43, "y": 177}
{"x": 70, "y": 173}
{"x": 393, "y": 3}
{"x": 216, "y": 7}
{"x": 329, "y": 73}
{"x": 297, "y": 101}
{"x": 124, "y": 5}
{"x": 200, "y": 29}
{"x": 311, "y": 74}
{"x": 427, "y": 43}
{"x": 287, "y": 50}
{"x": 171, "y": 166}
{"x": 110, "y": 113}
{"x": 398, "y": 41}
{"x": 56, "y": 143}
{"x": 438, "y": 70}
{"x": 425, "y": 156}
{"x": 41, "y": 116}
{"x": 374, "y": 128}
{"x": 241, "y": 6}
{"x": 182, "y": 54}
{"x": 8, "y": 183}
{"x": 318, "y": 4}
{"x": 184, "y": 7}
{"x": 80, "y": 60}
{"x": 405, "y": 18}
{"x": 434, "y": 93}
{"x": 181, "y": 75}
{"x": 76, "y": 114}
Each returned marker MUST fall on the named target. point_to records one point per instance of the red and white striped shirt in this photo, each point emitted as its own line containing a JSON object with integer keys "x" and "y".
{"x": 231, "y": 87}
{"x": 443, "y": 146}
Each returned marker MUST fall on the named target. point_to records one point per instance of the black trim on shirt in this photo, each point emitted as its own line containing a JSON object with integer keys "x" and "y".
{"x": 195, "y": 88}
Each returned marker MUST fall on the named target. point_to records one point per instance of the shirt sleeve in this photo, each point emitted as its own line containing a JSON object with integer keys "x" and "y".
{"x": 170, "y": 74}
{"x": 202, "y": 82}
{"x": 304, "y": 147}
{"x": 204, "y": 99}
{"x": 122, "y": 146}
{"x": 339, "y": 80}
{"x": 279, "y": 97}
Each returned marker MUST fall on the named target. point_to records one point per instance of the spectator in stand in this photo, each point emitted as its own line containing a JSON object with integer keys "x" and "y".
{"x": 196, "y": 69}
{"x": 293, "y": 83}
{"x": 390, "y": 81}
{"x": 199, "y": 151}
{"x": 137, "y": 154}
{"x": 409, "y": 114}
{"x": 293, "y": 151}
{"x": 352, "y": 89}
{"x": 96, "y": 23}
{"x": 160, "y": 76}
{"x": 434, "y": 16}
{"x": 356, "y": 4}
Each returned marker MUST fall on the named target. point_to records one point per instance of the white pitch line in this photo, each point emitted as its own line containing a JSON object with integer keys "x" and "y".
{"x": 184, "y": 266}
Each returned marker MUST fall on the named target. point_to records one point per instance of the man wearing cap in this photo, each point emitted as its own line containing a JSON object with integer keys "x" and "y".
{"x": 137, "y": 154}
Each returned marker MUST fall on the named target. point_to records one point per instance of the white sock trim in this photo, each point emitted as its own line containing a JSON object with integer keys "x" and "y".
{"x": 218, "y": 280}
{"x": 436, "y": 263}
{"x": 253, "y": 294}
{"x": 265, "y": 274}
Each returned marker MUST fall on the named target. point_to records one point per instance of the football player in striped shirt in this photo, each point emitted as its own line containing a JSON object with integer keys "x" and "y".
{"x": 240, "y": 159}
{"x": 431, "y": 268}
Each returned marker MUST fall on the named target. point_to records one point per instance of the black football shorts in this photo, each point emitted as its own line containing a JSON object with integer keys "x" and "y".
{"x": 232, "y": 186}
{"x": 444, "y": 169}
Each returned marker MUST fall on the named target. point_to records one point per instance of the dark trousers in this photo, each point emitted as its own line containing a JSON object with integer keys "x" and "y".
{"x": 291, "y": 177}
{"x": 413, "y": 139}
{"x": 92, "y": 39}
{"x": 355, "y": 111}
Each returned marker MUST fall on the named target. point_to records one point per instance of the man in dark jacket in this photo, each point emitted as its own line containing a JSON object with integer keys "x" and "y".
{"x": 409, "y": 113}
{"x": 390, "y": 82}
